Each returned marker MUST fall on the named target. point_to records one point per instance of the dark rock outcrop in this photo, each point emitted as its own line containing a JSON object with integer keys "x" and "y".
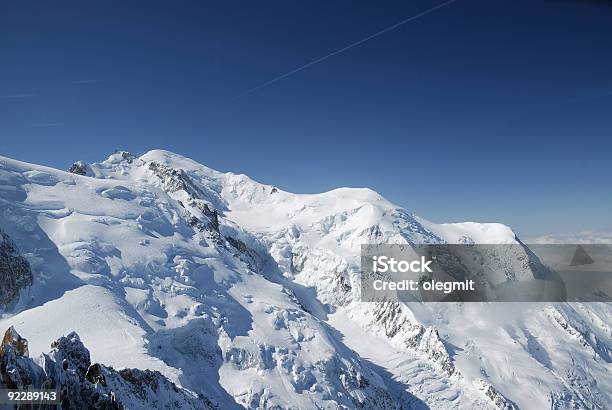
{"x": 245, "y": 253}
{"x": 127, "y": 156}
{"x": 425, "y": 340}
{"x": 16, "y": 370}
{"x": 79, "y": 168}
{"x": 499, "y": 400}
{"x": 83, "y": 385}
{"x": 201, "y": 215}
{"x": 211, "y": 214}
{"x": 15, "y": 272}
{"x": 174, "y": 180}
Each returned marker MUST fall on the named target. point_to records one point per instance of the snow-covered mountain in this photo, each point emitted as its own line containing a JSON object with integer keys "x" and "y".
{"x": 242, "y": 295}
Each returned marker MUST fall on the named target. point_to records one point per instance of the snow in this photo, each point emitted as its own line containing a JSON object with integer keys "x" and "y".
{"x": 472, "y": 232}
{"x": 97, "y": 314}
{"x": 264, "y": 311}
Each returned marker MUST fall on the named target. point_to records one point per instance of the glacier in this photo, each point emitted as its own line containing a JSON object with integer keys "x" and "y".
{"x": 243, "y": 295}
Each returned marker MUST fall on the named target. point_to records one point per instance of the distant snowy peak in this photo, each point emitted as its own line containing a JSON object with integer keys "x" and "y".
{"x": 305, "y": 234}
{"x": 269, "y": 208}
{"x": 472, "y": 232}
{"x": 273, "y": 207}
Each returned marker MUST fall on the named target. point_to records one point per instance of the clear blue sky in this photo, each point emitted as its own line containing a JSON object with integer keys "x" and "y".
{"x": 483, "y": 110}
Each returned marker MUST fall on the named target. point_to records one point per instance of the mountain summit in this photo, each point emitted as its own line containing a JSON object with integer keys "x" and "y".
{"x": 242, "y": 295}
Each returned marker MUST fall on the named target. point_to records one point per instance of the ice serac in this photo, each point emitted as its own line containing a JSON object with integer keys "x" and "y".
{"x": 247, "y": 296}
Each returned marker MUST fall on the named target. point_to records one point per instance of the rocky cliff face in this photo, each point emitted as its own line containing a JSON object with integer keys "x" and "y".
{"x": 15, "y": 272}
{"x": 67, "y": 368}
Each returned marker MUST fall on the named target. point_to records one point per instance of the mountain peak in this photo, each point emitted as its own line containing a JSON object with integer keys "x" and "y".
{"x": 250, "y": 296}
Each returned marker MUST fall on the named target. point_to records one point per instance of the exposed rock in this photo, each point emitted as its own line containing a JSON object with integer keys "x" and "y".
{"x": 15, "y": 272}
{"x": 80, "y": 168}
{"x": 174, "y": 179}
{"x": 565, "y": 316}
{"x": 151, "y": 387}
{"x": 127, "y": 156}
{"x": 15, "y": 367}
{"x": 82, "y": 385}
{"x": 211, "y": 214}
{"x": 95, "y": 375}
{"x": 355, "y": 380}
{"x": 389, "y": 315}
{"x": 425, "y": 340}
{"x": 431, "y": 344}
{"x": 200, "y": 214}
{"x": 70, "y": 351}
{"x": 13, "y": 339}
{"x": 245, "y": 254}
{"x": 498, "y": 399}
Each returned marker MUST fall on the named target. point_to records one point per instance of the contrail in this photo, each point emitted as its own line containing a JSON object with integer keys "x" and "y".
{"x": 343, "y": 49}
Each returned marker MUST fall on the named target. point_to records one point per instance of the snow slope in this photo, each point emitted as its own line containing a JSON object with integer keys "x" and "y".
{"x": 248, "y": 295}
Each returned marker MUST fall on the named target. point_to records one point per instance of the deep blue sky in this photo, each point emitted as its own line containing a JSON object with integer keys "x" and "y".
{"x": 483, "y": 110}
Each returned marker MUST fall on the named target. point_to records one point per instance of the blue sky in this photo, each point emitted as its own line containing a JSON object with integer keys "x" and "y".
{"x": 482, "y": 110}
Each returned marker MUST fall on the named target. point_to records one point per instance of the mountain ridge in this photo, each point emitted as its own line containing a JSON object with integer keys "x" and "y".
{"x": 204, "y": 275}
